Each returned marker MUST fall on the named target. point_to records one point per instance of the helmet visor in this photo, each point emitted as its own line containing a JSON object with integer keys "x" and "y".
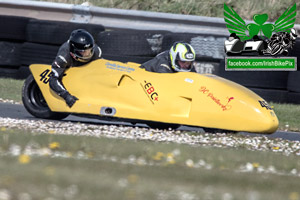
{"x": 84, "y": 54}
{"x": 185, "y": 65}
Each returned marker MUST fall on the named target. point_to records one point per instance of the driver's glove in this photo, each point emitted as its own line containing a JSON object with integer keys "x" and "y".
{"x": 70, "y": 99}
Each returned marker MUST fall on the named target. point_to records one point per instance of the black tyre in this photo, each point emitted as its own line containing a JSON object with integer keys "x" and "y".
{"x": 10, "y": 53}
{"x": 271, "y": 95}
{"x": 120, "y": 58}
{"x": 294, "y": 97}
{"x": 15, "y": 72}
{"x": 35, "y": 103}
{"x": 206, "y": 46}
{"x": 56, "y": 32}
{"x": 160, "y": 125}
{"x": 33, "y": 53}
{"x": 13, "y": 28}
{"x": 293, "y": 83}
{"x": 295, "y": 52}
{"x": 131, "y": 43}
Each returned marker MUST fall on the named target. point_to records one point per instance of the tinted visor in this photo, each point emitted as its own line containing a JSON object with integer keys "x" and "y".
{"x": 184, "y": 65}
{"x": 84, "y": 54}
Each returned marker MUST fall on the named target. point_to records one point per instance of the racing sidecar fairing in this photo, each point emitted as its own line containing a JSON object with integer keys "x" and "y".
{"x": 124, "y": 91}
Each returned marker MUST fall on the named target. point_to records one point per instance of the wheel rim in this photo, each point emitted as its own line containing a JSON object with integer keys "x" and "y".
{"x": 36, "y": 98}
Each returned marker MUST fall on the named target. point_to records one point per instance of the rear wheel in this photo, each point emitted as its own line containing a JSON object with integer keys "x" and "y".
{"x": 35, "y": 103}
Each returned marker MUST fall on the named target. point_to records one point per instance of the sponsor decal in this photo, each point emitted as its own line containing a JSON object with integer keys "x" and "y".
{"x": 150, "y": 91}
{"x": 115, "y": 66}
{"x": 189, "y": 80}
{"x": 45, "y": 75}
{"x": 189, "y": 55}
{"x": 214, "y": 98}
{"x": 264, "y": 104}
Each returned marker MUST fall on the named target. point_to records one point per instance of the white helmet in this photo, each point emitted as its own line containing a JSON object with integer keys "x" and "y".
{"x": 184, "y": 52}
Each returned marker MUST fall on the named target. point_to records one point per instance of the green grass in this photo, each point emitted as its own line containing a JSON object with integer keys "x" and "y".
{"x": 246, "y": 9}
{"x": 288, "y": 115}
{"x": 90, "y": 168}
{"x": 11, "y": 89}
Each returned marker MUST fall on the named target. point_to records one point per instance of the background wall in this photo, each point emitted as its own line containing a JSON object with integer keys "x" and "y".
{"x": 28, "y": 40}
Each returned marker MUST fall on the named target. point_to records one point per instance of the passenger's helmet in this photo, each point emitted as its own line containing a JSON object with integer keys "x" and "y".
{"x": 182, "y": 56}
{"x": 81, "y": 45}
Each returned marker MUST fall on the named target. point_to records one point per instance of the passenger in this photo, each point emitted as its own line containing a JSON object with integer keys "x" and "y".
{"x": 179, "y": 58}
{"x": 79, "y": 50}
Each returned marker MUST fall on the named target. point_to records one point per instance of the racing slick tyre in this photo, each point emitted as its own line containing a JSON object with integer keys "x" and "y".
{"x": 35, "y": 103}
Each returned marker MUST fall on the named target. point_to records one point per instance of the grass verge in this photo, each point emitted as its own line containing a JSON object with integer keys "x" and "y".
{"x": 42, "y": 166}
{"x": 11, "y": 89}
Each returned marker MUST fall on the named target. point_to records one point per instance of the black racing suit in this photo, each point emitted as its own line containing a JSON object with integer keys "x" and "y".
{"x": 160, "y": 64}
{"x": 63, "y": 61}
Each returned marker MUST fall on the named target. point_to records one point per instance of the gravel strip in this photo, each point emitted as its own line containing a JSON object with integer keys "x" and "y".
{"x": 260, "y": 143}
{"x": 9, "y": 101}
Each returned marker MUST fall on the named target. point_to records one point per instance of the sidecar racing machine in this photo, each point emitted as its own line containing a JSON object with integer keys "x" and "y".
{"x": 123, "y": 91}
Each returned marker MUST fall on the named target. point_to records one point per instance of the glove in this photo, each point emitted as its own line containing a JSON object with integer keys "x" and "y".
{"x": 70, "y": 99}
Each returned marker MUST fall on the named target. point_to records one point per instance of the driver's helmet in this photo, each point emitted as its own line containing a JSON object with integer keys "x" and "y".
{"x": 182, "y": 56}
{"x": 81, "y": 45}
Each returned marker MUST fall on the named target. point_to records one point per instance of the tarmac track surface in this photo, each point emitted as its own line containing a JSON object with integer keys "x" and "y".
{"x": 17, "y": 111}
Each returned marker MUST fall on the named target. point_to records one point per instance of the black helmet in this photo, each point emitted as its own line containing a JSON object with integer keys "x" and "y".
{"x": 81, "y": 45}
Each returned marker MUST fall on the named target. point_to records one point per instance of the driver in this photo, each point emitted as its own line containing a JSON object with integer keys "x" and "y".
{"x": 179, "y": 58}
{"x": 80, "y": 49}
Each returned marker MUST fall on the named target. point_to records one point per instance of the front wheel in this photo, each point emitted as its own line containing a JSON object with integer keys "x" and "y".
{"x": 35, "y": 103}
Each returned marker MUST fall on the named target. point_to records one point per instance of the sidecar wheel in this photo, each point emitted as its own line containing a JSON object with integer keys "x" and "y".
{"x": 35, "y": 103}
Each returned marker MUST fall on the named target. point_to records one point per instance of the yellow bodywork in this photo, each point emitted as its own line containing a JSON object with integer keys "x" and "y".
{"x": 123, "y": 90}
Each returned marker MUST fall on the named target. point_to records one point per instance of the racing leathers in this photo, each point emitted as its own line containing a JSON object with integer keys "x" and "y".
{"x": 64, "y": 60}
{"x": 160, "y": 64}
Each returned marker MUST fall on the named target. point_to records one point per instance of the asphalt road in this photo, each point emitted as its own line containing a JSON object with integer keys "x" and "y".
{"x": 17, "y": 111}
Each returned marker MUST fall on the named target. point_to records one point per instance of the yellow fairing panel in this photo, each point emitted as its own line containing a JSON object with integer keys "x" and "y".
{"x": 183, "y": 98}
